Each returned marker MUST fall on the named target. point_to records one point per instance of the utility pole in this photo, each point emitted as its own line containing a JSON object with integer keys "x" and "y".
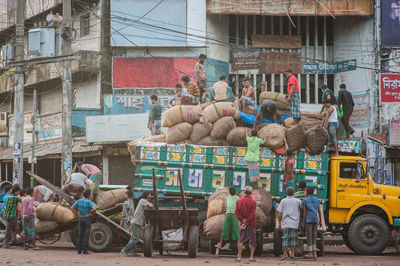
{"x": 66, "y": 156}
{"x": 18, "y": 162}
{"x": 34, "y": 116}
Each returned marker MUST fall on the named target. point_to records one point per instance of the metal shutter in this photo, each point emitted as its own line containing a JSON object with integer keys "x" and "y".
{"x": 121, "y": 170}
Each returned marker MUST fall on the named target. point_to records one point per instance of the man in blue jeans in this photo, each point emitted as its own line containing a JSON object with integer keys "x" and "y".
{"x": 85, "y": 209}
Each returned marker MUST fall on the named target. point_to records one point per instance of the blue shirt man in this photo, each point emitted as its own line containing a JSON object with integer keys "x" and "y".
{"x": 313, "y": 215}
{"x": 85, "y": 209}
{"x": 312, "y": 205}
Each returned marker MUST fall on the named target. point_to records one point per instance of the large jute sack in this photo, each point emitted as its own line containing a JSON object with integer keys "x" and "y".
{"x": 273, "y": 136}
{"x": 186, "y": 141}
{"x": 261, "y": 219}
{"x": 213, "y": 227}
{"x": 278, "y": 98}
{"x": 314, "y": 115}
{"x": 263, "y": 199}
{"x": 222, "y": 126}
{"x": 295, "y": 137}
{"x": 179, "y": 132}
{"x": 108, "y": 199}
{"x": 199, "y": 131}
{"x": 219, "y": 194}
{"x": 181, "y": 113}
{"x": 315, "y": 139}
{"x": 237, "y": 136}
{"x": 215, "y": 111}
{"x": 216, "y": 207}
{"x": 52, "y": 212}
{"x": 209, "y": 141}
{"x": 44, "y": 226}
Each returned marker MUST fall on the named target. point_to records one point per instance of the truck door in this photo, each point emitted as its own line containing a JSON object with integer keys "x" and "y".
{"x": 352, "y": 184}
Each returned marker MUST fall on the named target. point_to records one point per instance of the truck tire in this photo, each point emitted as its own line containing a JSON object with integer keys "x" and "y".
{"x": 193, "y": 241}
{"x": 148, "y": 241}
{"x": 368, "y": 234}
{"x": 203, "y": 242}
{"x": 346, "y": 241}
{"x": 277, "y": 242}
{"x": 100, "y": 237}
{"x": 260, "y": 242}
{"x": 321, "y": 245}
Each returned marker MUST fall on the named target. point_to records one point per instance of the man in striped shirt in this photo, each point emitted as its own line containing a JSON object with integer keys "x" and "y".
{"x": 192, "y": 89}
{"x": 10, "y": 214}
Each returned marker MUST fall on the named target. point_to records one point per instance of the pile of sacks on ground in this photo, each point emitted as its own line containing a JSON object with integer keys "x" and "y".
{"x": 217, "y": 208}
{"x": 220, "y": 124}
{"x": 50, "y": 215}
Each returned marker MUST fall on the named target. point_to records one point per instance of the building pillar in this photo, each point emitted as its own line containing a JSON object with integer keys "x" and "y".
{"x": 106, "y": 180}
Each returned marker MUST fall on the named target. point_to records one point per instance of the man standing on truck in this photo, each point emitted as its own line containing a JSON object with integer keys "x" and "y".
{"x": 331, "y": 123}
{"x": 154, "y": 124}
{"x": 269, "y": 111}
{"x": 230, "y": 222}
{"x": 86, "y": 209}
{"x": 201, "y": 77}
{"x": 93, "y": 173}
{"x": 245, "y": 212}
{"x": 293, "y": 97}
{"x": 289, "y": 218}
{"x": 137, "y": 223}
{"x": 345, "y": 99}
{"x": 252, "y": 156}
{"x": 312, "y": 217}
{"x": 192, "y": 89}
{"x": 248, "y": 95}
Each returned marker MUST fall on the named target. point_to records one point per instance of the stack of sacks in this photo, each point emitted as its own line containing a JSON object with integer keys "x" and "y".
{"x": 50, "y": 215}
{"x": 278, "y": 98}
{"x": 109, "y": 199}
{"x": 217, "y": 207}
{"x": 308, "y": 120}
{"x": 273, "y": 136}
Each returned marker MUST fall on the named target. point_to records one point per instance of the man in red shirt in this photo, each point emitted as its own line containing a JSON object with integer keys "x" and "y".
{"x": 293, "y": 97}
{"x": 245, "y": 213}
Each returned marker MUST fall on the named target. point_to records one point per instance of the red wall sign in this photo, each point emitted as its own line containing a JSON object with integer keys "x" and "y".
{"x": 151, "y": 72}
{"x": 390, "y": 88}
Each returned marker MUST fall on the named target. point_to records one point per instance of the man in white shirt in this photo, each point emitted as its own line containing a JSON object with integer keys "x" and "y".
{"x": 42, "y": 194}
{"x": 75, "y": 185}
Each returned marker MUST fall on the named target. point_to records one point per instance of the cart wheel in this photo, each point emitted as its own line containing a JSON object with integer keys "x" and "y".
{"x": 193, "y": 241}
{"x": 277, "y": 242}
{"x": 50, "y": 240}
{"x": 100, "y": 237}
{"x": 260, "y": 242}
{"x": 212, "y": 248}
{"x": 320, "y": 245}
{"x": 148, "y": 240}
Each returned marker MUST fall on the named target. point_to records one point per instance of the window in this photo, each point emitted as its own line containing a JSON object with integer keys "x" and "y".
{"x": 85, "y": 25}
{"x": 352, "y": 171}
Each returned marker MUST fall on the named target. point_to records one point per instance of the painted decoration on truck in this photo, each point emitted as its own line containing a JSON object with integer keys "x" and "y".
{"x": 150, "y": 153}
{"x": 176, "y": 153}
{"x": 313, "y": 162}
{"x": 239, "y": 179}
{"x": 221, "y": 155}
{"x": 353, "y": 146}
{"x": 283, "y": 159}
{"x": 218, "y": 179}
{"x": 197, "y": 154}
{"x": 267, "y": 158}
{"x": 238, "y": 156}
{"x": 171, "y": 178}
{"x": 195, "y": 178}
{"x": 265, "y": 181}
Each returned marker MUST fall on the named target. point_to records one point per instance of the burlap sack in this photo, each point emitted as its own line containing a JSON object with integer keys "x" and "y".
{"x": 216, "y": 207}
{"x": 51, "y": 212}
{"x": 219, "y": 194}
{"x": 251, "y": 110}
{"x": 179, "y": 132}
{"x": 263, "y": 199}
{"x": 215, "y": 111}
{"x": 314, "y": 115}
{"x": 186, "y": 141}
{"x": 200, "y": 131}
{"x": 209, "y": 141}
{"x": 222, "y": 126}
{"x": 213, "y": 227}
{"x": 110, "y": 198}
{"x": 261, "y": 219}
{"x": 181, "y": 113}
{"x": 44, "y": 226}
{"x": 289, "y": 122}
{"x": 315, "y": 139}
{"x": 278, "y": 98}
{"x": 273, "y": 136}
{"x": 295, "y": 137}
{"x": 237, "y": 136}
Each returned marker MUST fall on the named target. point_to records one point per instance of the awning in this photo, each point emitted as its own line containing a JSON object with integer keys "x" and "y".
{"x": 53, "y": 150}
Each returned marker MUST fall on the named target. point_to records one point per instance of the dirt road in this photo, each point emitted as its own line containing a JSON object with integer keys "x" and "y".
{"x": 65, "y": 254}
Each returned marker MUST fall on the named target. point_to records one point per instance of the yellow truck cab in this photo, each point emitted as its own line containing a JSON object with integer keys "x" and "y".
{"x": 362, "y": 210}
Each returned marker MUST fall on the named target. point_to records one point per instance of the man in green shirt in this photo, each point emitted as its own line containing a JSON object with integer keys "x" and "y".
{"x": 10, "y": 214}
{"x": 253, "y": 157}
{"x": 230, "y": 222}
{"x": 155, "y": 116}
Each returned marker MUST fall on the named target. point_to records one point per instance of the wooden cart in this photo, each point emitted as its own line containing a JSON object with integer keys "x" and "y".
{"x": 166, "y": 218}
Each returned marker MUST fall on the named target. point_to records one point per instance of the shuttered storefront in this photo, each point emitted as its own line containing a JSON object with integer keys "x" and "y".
{"x": 121, "y": 170}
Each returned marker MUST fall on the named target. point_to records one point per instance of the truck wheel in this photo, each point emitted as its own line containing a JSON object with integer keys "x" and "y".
{"x": 260, "y": 242}
{"x": 277, "y": 242}
{"x": 100, "y": 237}
{"x": 346, "y": 241}
{"x": 368, "y": 234}
{"x": 148, "y": 241}
{"x": 203, "y": 242}
{"x": 193, "y": 241}
{"x": 321, "y": 245}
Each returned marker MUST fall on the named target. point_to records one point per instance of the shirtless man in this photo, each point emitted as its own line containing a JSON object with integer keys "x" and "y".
{"x": 248, "y": 95}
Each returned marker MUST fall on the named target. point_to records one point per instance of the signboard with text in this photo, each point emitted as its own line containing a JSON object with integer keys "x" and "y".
{"x": 277, "y": 63}
{"x": 394, "y": 133}
{"x": 277, "y": 41}
{"x": 390, "y": 88}
{"x": 329, "y": 68}
{"x": 361, "y": 113}
{"x": 245, "y": 59}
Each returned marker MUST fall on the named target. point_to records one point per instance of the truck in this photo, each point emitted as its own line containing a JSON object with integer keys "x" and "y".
{"x": 362, "y": 211}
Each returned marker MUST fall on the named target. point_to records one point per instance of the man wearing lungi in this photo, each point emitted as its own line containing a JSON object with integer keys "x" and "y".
{"x": 93, "y": 173}
{"x": 245, "y": 212}
{"x": 293, "y": 97}
{"x": 28, "y": 219}
{"x": 253, "y": 156}
{"x": 289, "y": 218}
